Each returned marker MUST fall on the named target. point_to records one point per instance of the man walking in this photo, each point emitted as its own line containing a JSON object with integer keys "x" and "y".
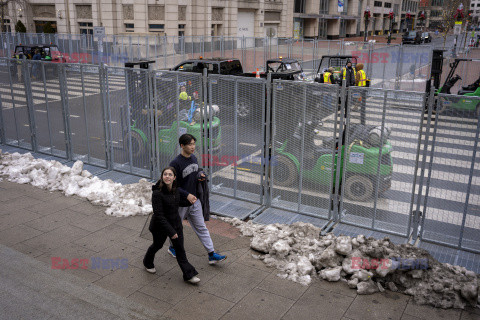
{"x": 186, "y": 166}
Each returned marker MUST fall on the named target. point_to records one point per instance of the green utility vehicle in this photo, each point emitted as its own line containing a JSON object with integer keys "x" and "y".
{"x": 466, "y": 103}
{"x": 137, "y": 117}
{"x": 361, "y": 152}
{"x": 168, "y": 135}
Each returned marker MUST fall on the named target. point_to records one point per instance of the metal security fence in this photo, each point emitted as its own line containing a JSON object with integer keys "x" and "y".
{"x": 380, "y": 158}
{"x": 388, "y": 66}
{"x": 305, "y": 123}
{"x": 395, "y": 162}
{"x": 83, "y": 86}
{"x": 450, "y": 198}
{"x": 236, "y": 164}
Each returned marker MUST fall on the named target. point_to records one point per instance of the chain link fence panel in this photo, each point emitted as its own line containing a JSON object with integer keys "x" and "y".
{"x": 86, "y": 113}
{"x": 14, "y": 104}
{"x": 237, "y": 168}
{"x": 179, "y": 109}
{"x": 304, "y": 128}
{"x": 380, "y": 156}
{"x": 452, "y": 174}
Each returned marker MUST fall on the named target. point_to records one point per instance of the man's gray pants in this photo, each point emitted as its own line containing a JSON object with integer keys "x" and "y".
{"x": 194, "y": 215}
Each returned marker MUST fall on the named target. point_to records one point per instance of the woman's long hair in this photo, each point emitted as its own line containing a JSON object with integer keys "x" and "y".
{"x": 161, "y": 185}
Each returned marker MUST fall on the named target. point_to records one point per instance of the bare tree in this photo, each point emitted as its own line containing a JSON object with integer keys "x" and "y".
{"x": 22, "y": 4}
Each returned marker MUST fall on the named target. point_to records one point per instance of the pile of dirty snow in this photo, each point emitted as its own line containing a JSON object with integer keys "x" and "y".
{"x": 367, "y": 265}
{"x": 122, "y": 200}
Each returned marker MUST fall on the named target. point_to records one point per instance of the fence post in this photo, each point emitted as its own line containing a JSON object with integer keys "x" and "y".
{"x": 106, "y": 124}
{"x": 153, "y": 76}
{"x": 270, "y": 141}
{"x": 62, "y": 79}
{"x": 370, "y": 59}
{"x": 29, "y": 99}
{"x": 336, "y": 196}
{"x": 266, "y": 138}
{"x": 302, "y": 147}
{"x": 431, "y": 99}
{"x": 153, "y": 119}
{"x": 206, "y": 148}
{"x": 44, "y": 76}
{"x": 14, "y": 68}
{"x": 382, "y": 135}
{"x": 128, "y": 81}
{"x": 470, "y": 178}
{"x": 165, "y": 52}
{"x": 398, "y": 72}
{"x": 2, "y": 124}
{"x": 210, "y": 153}
{"x": 235, "y": 139}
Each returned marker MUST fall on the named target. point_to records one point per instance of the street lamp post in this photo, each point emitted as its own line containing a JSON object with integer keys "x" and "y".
{"x": 391, "y": 16}
{"x": 366, "y": 18}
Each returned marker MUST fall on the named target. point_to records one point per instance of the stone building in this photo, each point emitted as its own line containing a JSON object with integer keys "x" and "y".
{"x": 250, "y": 18}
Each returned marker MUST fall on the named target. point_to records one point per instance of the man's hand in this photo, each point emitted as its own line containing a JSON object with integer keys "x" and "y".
{"x": 202, "y": 177}
{"x": 175, "y": 236}
{"x": 191, "y": 198}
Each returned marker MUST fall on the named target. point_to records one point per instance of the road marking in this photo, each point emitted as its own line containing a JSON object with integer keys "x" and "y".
{"x": 73, "y": 133}
{"x": 248, "y": 144}
{"x": 74, "y": 116}
{"x": 44, "y": 111}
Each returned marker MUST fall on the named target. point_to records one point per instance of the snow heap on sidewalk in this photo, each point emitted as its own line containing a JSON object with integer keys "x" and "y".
{"x": 122, "y": 200}
{"x": 367, "y": 265}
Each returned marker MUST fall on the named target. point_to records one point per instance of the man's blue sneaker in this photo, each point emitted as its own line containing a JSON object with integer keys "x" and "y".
{"x": 215, "y": 257}
{"x": 172, "y": 251}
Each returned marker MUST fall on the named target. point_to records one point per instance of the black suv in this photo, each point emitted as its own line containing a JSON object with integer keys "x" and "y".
{"x": 414, "y": 37}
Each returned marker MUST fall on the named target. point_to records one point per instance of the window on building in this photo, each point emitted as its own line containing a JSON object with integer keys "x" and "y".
{"x": 156, "y": 27}
{"x": 377, "y": 4}
{"x": 85, "y": 27}
{"x": 40, "y": 24}
{"x": 437, "y": 3}
{"x": 324, "y": 6}
{"x": 181, "y": 30}
{"x": 395, "y": 8}
{"x": 435, "y": 13}
{"x": 478, "y": 4}
{"x": 216, "y": 30}
{"x": 129, "y": 27}
{"x": 387, "y": 5}
{"x": 6, "y": 25}
{"x": 299, "y": 6}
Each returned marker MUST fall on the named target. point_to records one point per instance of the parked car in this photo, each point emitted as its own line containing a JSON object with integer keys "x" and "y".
{"x": 414, "y": 37}
{"x": 427, "y": 37}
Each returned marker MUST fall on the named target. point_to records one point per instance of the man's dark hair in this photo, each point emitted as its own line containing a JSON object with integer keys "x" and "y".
{"x": 186, "y": 138}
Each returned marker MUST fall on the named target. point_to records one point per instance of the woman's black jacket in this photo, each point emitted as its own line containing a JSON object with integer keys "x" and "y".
{"x": 165, "y": 211}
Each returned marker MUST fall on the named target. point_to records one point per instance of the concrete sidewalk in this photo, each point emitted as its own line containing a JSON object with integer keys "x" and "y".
{"x": 39, "y": 225}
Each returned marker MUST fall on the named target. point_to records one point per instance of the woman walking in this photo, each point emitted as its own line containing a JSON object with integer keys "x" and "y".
{"x": 167, "y": 223}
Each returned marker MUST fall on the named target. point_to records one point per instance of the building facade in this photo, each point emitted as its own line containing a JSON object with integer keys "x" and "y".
{"x": 250, "y": 18}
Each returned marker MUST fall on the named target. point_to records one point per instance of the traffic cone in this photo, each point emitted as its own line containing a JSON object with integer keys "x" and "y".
{"x": 257, "y": 74}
